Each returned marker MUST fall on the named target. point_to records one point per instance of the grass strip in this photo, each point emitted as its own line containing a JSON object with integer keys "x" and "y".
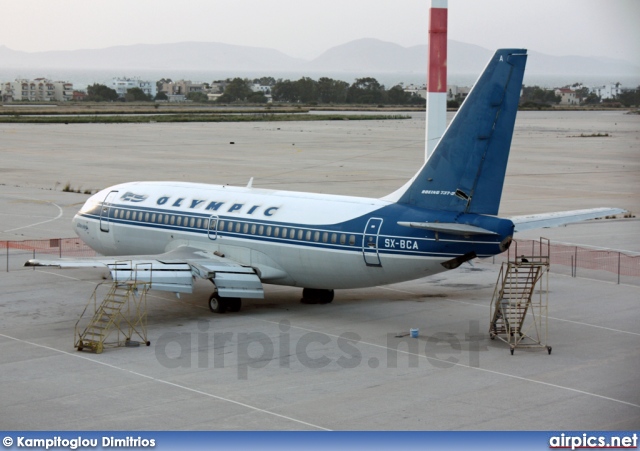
{"x": 138, "y": 119}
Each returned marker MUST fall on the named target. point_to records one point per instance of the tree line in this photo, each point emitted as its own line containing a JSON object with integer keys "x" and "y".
{"x": 326, "y": 90}
{"x": 537, "y": 96}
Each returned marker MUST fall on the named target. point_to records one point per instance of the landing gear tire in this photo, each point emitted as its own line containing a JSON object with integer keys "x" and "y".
{"x": 316, "y": 296}
{"x": 234, "y": 304}
{"x": 217, "y": 304}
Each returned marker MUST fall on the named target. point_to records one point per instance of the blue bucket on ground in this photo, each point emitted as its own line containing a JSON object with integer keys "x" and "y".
{"x": 414, "y": 332}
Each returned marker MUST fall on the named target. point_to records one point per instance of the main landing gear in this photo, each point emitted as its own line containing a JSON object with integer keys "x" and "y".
{"x": 316, "y": 296}
{"x": 221, "y": 305}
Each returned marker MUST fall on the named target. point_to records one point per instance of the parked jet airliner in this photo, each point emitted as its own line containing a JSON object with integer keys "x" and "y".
{"x": 242, "y": 237}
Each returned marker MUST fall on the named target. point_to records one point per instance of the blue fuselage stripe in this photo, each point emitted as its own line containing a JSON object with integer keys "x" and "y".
{"x": 346, "y": 236}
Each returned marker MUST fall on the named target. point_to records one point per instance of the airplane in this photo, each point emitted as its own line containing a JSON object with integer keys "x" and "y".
{"x": 239, "y": 238}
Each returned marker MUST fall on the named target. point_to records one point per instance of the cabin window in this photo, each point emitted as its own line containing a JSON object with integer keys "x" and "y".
{"x": 325, "y": 237}
{"x": 173, "y": 220}
{"x": 179, "y": 220}
{"x": 153, "y": 217}
{"x": 334, "y": 238}
{"x": 221, "y": 225}
{"x": 128, "y": 214}
{"x": 245, "y": 229}
{"x": 212, "y": 224}
{"x": 352, "y": 240}
{"x": 343, "y": 239}
{"x": 316, "y": 236}
{"x": 276, "y": 231}
{"x": 308, "y": 235}
{"x": 261, "y": 230}
{"x": 269, "y": 231}
{"x": 134, "y": 216}
{"x": 238, "y": 225}
{"x": 146, "y": 217}
{"x": 300, "y": 234}
{"x": 253, "y": 229}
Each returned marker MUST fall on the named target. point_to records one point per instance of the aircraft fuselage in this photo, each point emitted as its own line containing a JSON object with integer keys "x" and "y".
{"x": 289, "y": 238}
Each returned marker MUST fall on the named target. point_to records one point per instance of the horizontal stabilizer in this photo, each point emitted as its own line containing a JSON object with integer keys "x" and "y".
{"x": 452, "y": 228}
{"x": 545, "y": 220}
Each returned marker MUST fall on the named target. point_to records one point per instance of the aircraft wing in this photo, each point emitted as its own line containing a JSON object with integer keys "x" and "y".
{"x": 545, "y": 220}
{"x": 174, "y": 271}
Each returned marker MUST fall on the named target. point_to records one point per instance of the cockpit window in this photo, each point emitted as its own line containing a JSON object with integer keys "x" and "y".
{"x": 91, "y": 207}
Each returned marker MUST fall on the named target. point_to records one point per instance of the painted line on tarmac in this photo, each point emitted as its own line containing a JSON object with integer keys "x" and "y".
{"x": 173, "y": 384}
{"x": 462, "y": 365}
{"x": 60, "y": 213}
{"x": 550, "y": 317}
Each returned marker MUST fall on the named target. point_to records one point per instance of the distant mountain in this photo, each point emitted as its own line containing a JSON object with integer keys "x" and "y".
{"x": 183, "y": 55}
{"x": 380, "y": 56}
{"x": 359, "y": 56}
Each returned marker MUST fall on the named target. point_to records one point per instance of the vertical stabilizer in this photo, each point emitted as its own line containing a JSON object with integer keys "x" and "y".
{"x": 436, "y": 76}
{"x": 466, "y": 171}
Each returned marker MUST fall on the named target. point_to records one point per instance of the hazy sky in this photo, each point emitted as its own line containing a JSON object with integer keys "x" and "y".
{"x": 306, "y": 28}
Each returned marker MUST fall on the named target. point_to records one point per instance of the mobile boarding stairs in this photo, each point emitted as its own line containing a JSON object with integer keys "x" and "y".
{"x": 519, "y": 308}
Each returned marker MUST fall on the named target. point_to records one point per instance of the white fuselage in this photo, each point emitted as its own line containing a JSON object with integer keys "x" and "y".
{"x": 289, "y": 238}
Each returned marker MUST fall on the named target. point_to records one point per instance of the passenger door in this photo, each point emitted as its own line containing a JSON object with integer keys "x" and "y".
{"x": 370, "y": 242}
{"x": 106, "y": 210}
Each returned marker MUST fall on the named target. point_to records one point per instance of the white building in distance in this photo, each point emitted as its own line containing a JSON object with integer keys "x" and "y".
{"x": 610, "y": 91}
{"x": 36, "y": 90}
{"x": 122, "y": 85}
{"x": 567, "y": 96}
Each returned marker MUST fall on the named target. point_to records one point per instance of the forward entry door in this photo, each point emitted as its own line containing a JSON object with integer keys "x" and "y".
{"x": 105, "y": 211}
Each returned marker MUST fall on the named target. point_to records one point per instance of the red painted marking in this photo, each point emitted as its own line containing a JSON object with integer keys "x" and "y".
{"x": 437, "y": 71}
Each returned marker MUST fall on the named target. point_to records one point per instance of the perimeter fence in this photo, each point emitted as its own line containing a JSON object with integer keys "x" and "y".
{"x": 18, "y": 252}
{"x": 576, "y": 261}
{"x": 580, "y": 261}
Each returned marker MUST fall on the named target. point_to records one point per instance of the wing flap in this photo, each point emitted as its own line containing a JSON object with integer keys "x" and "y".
{"x": 238, "y": 285}
{"x": 174, "y": 271}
